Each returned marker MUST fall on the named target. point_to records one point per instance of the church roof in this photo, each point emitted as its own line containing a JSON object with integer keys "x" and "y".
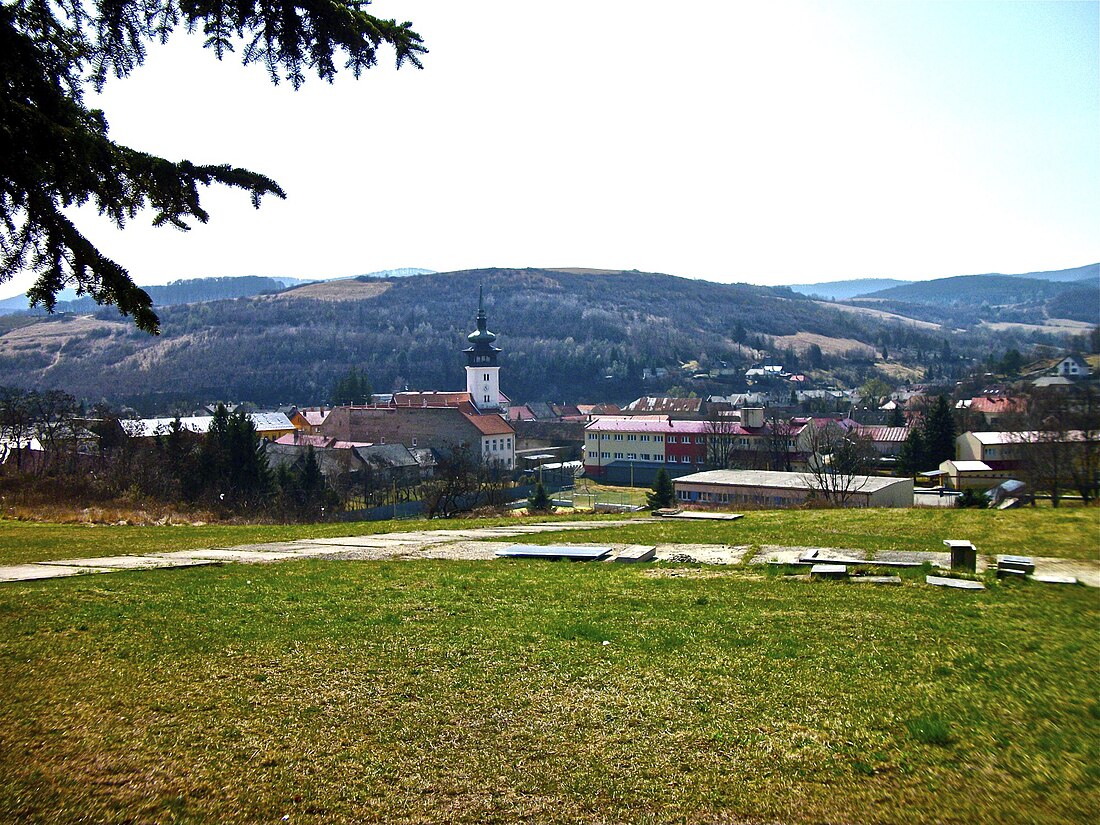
{"x": 487, "y": 423}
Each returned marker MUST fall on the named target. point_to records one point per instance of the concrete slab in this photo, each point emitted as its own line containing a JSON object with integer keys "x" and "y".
{"x": 703, "y": 515}
{"x": 124, "y": 562}
{"x": 636, "y": 553}
{"x": 958, "y": 584}
{"x": 362, "y": 541}
{"x": 271, "y": 547}
{"x": 1055, "y": 579}
{"x": 31, "y": 572}
{"x": 890, "y": 580}
{"x": 218, "y": 554}
{"x": 828, "y": 571}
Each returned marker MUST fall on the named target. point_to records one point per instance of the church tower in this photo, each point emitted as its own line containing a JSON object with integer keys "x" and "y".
{"x": 482, "y": 370}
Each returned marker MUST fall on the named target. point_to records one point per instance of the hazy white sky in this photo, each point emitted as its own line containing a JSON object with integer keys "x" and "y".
{"x": 771, "y": 142}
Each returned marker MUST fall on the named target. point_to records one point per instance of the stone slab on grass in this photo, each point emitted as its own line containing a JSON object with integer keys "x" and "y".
{"x": 703, "y": 515}
{"x": 216, "y": 554}
{"x": 289, "y": 547}
{"x": 891, "y": 580}
{"x": 125, "y": 562}
{"x": 636, "y": 553}
{"x": 828, "y": 571}
{"x": 958, "y": 584}
{"x": 32, "y": 572}
{"x": 1055, "y": 579}
{"x": 371, "y": 541}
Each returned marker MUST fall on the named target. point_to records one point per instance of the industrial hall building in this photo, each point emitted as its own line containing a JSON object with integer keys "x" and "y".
{"x": 474, "y": 420}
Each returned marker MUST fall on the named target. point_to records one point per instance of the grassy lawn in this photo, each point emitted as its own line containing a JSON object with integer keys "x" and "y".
{"x": 1072, "y": 533}
{"x": 503, "y": 691}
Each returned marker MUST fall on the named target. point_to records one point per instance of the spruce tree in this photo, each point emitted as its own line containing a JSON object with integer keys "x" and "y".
{"x": 663, "y": 494}
{"x": 539, "y": 501}
{"x": 55, "y": 151}
{"x": 938, "y": 431}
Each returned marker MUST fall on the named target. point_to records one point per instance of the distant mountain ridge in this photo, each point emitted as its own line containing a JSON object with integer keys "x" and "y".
{"x": 891, "y": 288}
{"x": 841, "y": 290}
{"x": 1070, "y": 294}
{"x": 198, "y": 290}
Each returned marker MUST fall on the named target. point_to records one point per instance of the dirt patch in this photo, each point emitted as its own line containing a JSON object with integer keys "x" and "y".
{"x": 343, "y": 290}
{"x": 801, "y": 341}
{"x": 878, "y": 313}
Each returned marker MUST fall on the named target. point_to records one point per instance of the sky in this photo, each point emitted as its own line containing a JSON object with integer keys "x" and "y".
{"x": 767, "y": 142}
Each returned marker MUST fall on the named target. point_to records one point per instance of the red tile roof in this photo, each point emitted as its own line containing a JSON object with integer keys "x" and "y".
{"x": 487, "y": 423}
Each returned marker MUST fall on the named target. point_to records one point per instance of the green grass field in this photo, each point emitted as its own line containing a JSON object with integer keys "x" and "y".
{"x": 430, "y": 691}
{"x": 1065, "y": 532}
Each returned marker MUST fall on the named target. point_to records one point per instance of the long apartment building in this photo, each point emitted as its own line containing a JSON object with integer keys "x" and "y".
{"x": 620, "y": 448}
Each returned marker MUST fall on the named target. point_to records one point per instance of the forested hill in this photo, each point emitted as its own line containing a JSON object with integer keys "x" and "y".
{"x": 566, "y": 335}
{"x": 562, "y": 334}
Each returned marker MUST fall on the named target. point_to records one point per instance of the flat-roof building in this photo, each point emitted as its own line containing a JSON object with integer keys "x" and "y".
{"x": 766, "y": 488}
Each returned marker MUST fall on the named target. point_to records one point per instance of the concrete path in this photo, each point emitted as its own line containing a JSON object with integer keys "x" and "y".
{"x": 481, "y": 544}
{"x": 389, "y": 545}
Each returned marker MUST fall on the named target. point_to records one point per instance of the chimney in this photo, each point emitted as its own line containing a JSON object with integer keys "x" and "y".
{"x": 752, "y": 416}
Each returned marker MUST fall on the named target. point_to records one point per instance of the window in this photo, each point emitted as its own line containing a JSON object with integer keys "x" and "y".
{"x": 660, "y": 438}
{"x": 682, "y": 494}
{"x": 632, "y": 438}
{"x": 618, "y": 455}
{"x": 632, "y": 456}
{"x": 414, "y": 442}
{"x": 685, "y": 439}
{"x": 486, "y": 399}
{"x": 618, "y": 437}
{"x": 486, "y": 376}
{"x": 645, "y": 438}
{"x": 698, "y": 439}
{"x": 509, "y": 444}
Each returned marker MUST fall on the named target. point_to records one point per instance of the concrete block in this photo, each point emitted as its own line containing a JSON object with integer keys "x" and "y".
{"x": 958, "y": 584}
{"x": 829, "y": 571}
{"x": 636, "y": 553}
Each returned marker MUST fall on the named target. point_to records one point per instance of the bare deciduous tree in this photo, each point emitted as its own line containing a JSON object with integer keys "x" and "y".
{"x": 839, "y": 461}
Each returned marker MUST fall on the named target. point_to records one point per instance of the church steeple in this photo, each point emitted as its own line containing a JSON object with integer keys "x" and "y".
{"x": 481, "y": 351}
{"x": 482, "y": 378}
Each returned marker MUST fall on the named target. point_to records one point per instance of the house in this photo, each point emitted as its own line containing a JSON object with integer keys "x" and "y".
{"x": 308, "y": 419}
{"x": 521, "y": 412}
{"x": 1072, "y": 366}
{"x": 887, "y": 440}
{"x": 389, "y": 465}
{"x": 961, "y": 474}
{"x": 995, "y": 408}
{"x": 766, "y": 488}
{"x": 1006, "y": 450}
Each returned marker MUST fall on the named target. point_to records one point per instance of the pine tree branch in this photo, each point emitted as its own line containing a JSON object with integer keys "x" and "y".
{"x": 56, "y": 153}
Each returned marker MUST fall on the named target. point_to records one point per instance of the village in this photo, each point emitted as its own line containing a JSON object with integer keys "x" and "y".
{"x": 774, "y": 445}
